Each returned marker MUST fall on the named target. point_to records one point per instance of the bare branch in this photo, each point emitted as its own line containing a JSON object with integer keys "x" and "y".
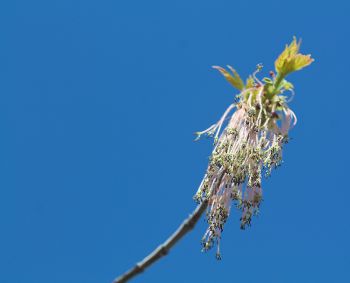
{"x": 164, "y": 248}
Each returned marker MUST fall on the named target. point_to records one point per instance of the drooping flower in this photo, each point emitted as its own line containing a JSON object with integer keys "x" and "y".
{"x": 247, "y": 143}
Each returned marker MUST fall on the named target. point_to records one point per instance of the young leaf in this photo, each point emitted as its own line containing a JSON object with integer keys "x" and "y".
{"x": 287, "y": 85}
{"x": 234, "y": 79}
{"x": 290, "y": 60}
{"x": 249, "y": 82}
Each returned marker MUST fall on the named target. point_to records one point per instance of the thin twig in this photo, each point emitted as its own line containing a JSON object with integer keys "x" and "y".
{"x": 164, "y": 248}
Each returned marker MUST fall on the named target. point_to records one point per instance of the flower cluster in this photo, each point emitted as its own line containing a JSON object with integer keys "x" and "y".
{"x": 248, "y": 143}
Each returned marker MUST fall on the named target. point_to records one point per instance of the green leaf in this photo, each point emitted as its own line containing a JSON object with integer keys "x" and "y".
{"x": 267, "y": 81}
{"x": 234, "y": 79}
{"x": 287, "y": 85}
{"x": 249, "y": 82}
{"x": 290, "y": 60}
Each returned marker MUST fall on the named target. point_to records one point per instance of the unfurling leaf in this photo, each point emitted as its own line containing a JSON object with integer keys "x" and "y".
{"x": 234, "y": 79}
{"x": 267, "y": 81}
{"x": 249, "y": 82}
{"x": 290, "y": 60}
{"x": 287, "y": 85}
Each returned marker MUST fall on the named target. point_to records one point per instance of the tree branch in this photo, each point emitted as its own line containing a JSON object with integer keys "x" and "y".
{"x": 164, "y": 248}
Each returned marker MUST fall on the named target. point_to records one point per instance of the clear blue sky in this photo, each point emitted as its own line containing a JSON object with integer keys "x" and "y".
{"x": 98, "y": 104}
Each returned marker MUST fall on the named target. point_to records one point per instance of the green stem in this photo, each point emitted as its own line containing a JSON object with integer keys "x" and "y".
{"x": 273, "y": 90}
{"x": 278, "y": 81}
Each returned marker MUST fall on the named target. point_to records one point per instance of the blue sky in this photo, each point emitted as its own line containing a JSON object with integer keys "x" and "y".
{"x": 98, "y": 104}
